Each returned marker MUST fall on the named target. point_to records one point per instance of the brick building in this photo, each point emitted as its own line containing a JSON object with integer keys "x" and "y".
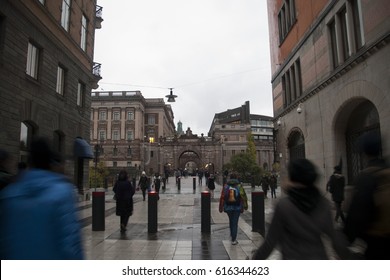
{"x": 330, "y": 79}
{"x": 46, "y": 76}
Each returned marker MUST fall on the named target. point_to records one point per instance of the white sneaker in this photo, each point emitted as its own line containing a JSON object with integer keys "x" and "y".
{"x": 235, "y": 242}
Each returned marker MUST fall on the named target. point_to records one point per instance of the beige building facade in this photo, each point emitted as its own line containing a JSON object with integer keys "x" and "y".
{"x": 126, "y": 130}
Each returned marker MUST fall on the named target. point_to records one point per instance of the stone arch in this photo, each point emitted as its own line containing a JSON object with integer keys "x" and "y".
{"x": 189, "y": 159}
{"x": 296, "y": 144}
{"x": 349, "y": 97}
{"x": 355, "y": 117}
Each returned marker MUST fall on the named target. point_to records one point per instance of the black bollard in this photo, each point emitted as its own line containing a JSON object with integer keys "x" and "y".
{"x": 178, "y": 183}
{"x": 194, "y": 183}
{"x": 98, "y": 211}
{"x": 152, "y": 211}
{"x": 205, "y": 212}
{"x": 258, "y": 219}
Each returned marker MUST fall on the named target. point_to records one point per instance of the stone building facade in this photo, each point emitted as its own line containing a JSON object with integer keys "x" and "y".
{"x": 330, "y": 79}
{"x": 46, "y": 76}
{"x": 231, "y": 128}
{"x": 128, "y": 129}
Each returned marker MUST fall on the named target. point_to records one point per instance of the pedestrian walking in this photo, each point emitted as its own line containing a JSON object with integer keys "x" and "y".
{"x": 273, "y": 185}
{"x": 211, "y": 185}
{"x": 233, "y": 202}
{"x": 143, "y": 184}
{"x": 157, "y": 182}
{"x": 265, "y": 185}
{"x": 200, "y": 176}
{"x": 124, "y": 192}
{"x": 368, "y": 217}
{"x": 38, "y": 217}
{"x": 336, "y": 186}
{"x": 301, "y": 218}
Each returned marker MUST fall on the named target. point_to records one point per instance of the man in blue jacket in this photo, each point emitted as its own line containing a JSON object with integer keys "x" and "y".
{"x": 37, "y": 212}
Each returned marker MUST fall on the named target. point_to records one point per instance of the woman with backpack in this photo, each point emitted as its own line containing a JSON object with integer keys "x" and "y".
{"x": 233, "y": 201}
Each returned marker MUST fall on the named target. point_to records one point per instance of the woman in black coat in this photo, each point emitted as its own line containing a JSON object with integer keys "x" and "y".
{"x": 124, "y": 192}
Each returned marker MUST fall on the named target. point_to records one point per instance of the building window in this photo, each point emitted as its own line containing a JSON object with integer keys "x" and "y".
{"x": 84, "y": 29}
{"x": 102, "y": 115}
{"x": 114, "y": 164}
{"x": 58, "y": 141}
{"x": 357, "y": 22}
{"x": 65, "y": 14}
{"x": 80, "y": 94}
{"x": 32, "y": 61}
{"x": 115, "y": 135}
{"x": 130, "y": 115}
{"x": 345, "y": 32}
{"x": 129, "y": 151}
{"x": 129, "y": 135}
{"x": 116, "y": 115}
{"x": 26, "y": 133}
{"x": 151, "y": 119}
{"x": 115, "y": 151}
{"x": 286, "y": 18}
{"x": 129, "y": 164}
{"x": 292, "y": 83}
{"x": 60, "y": 80}
{"x": 102, "y": 135}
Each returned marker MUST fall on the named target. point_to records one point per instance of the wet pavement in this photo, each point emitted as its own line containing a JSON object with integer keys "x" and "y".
{"x": 178, "y": 233}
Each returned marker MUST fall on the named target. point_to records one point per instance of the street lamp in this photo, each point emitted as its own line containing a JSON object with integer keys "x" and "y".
{"x": 171, "y": 97}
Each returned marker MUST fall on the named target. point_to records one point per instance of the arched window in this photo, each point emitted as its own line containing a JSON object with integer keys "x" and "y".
{"x": 363, "y": 119}
{"x": 296, "y": 145}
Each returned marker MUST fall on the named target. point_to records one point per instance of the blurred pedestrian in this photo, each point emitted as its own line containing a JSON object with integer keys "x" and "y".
{"x": 265, "y": 185}
{"x": 368, "y": 217}
{"x": 211, "y": 185}
{"x": 38, "y": 218}
{"x": 336, "y": 186}
{"x": 124, "y": 192}
{"x": 233, "y": 202}
{"x": 143, "y": 184}
{"x": 301, "y": 218}
{"x": 5, "y": 175}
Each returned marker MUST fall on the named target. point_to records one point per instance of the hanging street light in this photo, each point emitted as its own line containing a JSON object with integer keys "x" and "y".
{"x": 171, "y": 97}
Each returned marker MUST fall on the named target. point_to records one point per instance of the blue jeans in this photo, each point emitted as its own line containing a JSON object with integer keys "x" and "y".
{"x": 233, "y": 223}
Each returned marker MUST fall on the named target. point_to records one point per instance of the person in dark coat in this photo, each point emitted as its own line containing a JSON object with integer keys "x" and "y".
{"x": 211, "y": 185}
{"x": 265, "y": 185}
{"x": 301, "y": 218}
{"x": 143, "y": 184}
{"x": 124, "y": 192}
{"x": 368, "y": 217}
{"x": 336, "y": 186}
{"x": 273, "y": 184}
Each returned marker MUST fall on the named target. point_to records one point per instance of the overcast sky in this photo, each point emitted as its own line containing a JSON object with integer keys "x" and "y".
{"x": 214, "y": 53}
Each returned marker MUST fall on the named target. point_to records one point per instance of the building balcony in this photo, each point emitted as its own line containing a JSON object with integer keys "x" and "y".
{"x": 99, "y": 17}
{"x": 96, "y": 69}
